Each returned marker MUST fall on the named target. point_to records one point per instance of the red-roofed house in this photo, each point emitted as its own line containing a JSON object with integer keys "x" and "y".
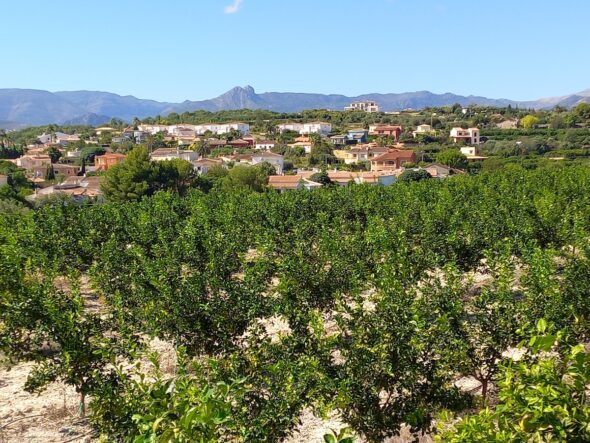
{"x": 386, "y": 130}
{"x": 292, "y": 182}
{"x": 240, "y": 143}
{"x": 394, "y": 159}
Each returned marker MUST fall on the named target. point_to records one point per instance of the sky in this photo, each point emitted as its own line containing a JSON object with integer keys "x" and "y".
{"x": 176, "y": 50}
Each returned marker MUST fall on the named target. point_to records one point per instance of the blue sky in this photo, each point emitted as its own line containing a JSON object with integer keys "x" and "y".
{"x": 195, "y": 49}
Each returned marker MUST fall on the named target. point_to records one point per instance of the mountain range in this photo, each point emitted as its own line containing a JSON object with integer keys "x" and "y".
{"x": 26, "y": 107}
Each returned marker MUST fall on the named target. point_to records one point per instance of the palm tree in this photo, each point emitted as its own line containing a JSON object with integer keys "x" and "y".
{"x": 202, "y": 148}
{"x": 3, "y": 139}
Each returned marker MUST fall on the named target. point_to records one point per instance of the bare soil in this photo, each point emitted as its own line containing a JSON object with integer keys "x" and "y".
{"x": 51, "y": 416}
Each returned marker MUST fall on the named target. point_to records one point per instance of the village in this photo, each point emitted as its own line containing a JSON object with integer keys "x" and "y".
{"x": 67, "y": 164}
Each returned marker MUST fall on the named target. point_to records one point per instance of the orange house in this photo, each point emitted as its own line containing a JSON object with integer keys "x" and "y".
{"x": 386, "y": 131}
{"x": 104, "y": 162}
{"x": 394, "y": 159}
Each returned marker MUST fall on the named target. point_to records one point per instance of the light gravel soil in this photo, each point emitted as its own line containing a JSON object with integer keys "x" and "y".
{"x": 51, "y": 416}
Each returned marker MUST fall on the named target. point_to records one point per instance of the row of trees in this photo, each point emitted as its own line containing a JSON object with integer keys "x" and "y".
{"x": 372, "y": 290}
{"x": 138, "y": 177}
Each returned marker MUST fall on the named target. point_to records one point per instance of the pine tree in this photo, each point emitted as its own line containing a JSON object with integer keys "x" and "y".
{"x": 131, "y": 179}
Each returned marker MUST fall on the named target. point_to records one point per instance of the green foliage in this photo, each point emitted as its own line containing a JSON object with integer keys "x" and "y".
{"x": 529, "y": 121}
{"x": 10, "y": 152}
{"x": 54, "y": 153}
{"x": 321, "y": 153}
{"x": 217, "y": 172}
{"x": 356, "y": 299}
{"x": 138, "y": 177}
{"x": 129, "y": 180}
{"x": 148, "y": 406}
{"x": 89, "y": 152}
{"x": 582, "y": 110}
{"x": 453, "y": 158}
{"x": 176, "y": 175}
{"x": 322, "y": 178}
{"x": 542, "y": 398}
{"x": 50, "y": 173}
{"x": 9, "y": 206}
{"x": 414, "y": 175}
{"x": 51, "y": 326}
{"x": 18, "y": 185}
{"x": 342, "y": 436}
{"x": 254, "y": 178}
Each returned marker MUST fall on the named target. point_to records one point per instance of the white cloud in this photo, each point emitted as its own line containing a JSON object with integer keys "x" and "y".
{"x": 234, "y": 7}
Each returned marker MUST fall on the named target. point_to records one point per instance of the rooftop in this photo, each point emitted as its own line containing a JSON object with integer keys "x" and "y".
{"x": 168, "y": 151}
{"x": 111, "y": 155}
{"x": 395, "y": 154}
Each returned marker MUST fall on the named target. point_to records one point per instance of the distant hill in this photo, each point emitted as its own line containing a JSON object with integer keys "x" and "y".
{"x": 12, "y": 125}
{"x": 35, "y": 107}
{"x": 104, "y": 103}
{"x": 246, "y": 97}
{"x": 89, "y": 120}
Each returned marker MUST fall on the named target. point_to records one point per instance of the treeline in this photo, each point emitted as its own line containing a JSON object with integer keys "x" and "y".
{"x": 532, "y": 122}
{"x": 358, "y": 299}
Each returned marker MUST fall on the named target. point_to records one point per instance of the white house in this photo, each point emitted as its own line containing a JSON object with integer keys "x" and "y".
{"x": 45, "y": 138}
{"x": 264, "y": 145}
{"x": 472, "y": 153}
{"x": 436, "y": 170}
{"x": 296, "y": 127}
{"x": 104, "y": 129}
{"x": 75, "y": 153}
{"x": 203, "y": 165}
{"x": 65, "y": 139}
{"x": 366, "y": 106}
{"x": 172, "y": 153}
{"x": 321, "y": 128}
{"x": 422, "y": 130}
{"x": 469, "y": 136}
{"x": 223, "y": 128}
{"x": 302, "y": 142}
{"x": 152, "y": 129}
{"x": 276, "y": 160}
{"x": 181, "y": 129}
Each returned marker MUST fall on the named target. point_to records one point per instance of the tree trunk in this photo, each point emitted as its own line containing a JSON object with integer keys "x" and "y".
{"x": 82, "y": 409}
{"x": 484, "y": 390}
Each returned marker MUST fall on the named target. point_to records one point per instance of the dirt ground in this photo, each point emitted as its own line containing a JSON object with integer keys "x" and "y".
{"x": 51, "y": 416}
{"x": 312, "y": 430}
